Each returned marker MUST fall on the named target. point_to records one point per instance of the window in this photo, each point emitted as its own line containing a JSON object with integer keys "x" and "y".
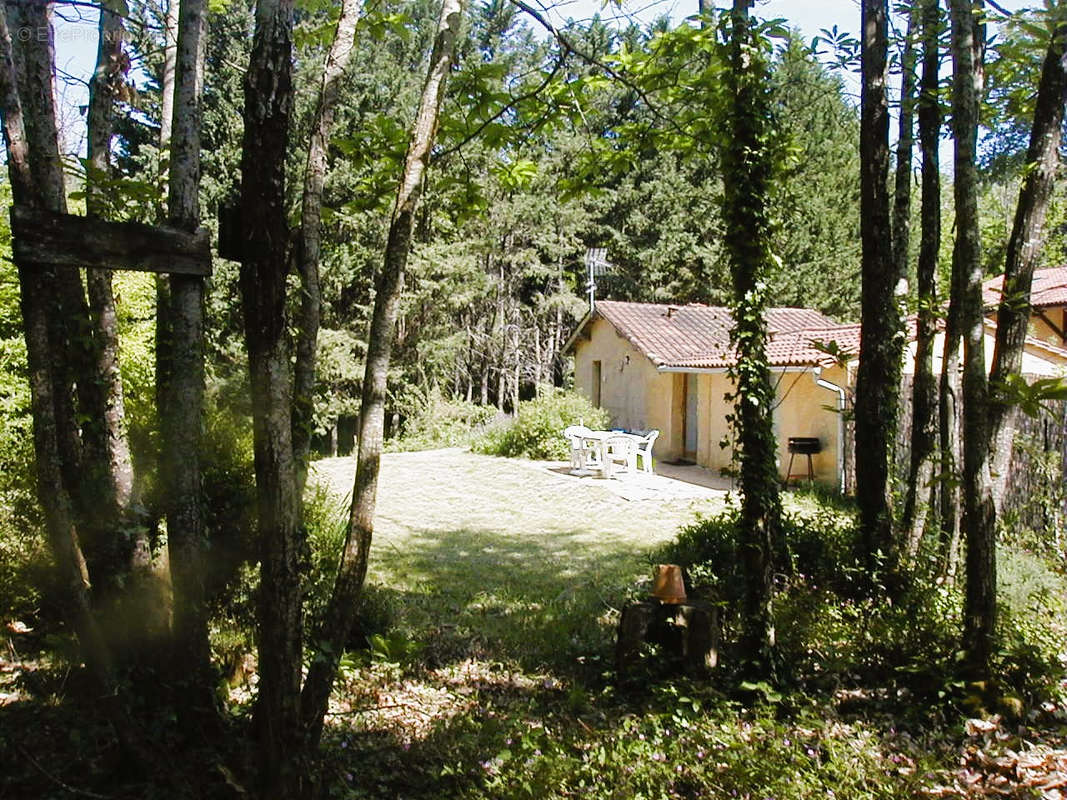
{"x": 596, "y": 384}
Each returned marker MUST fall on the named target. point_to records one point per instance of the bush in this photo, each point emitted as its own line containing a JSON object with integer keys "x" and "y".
{"x": 438, "y": 422}
{"x": 326, "y": 521}
{"x": 536, "y": 432}
{"x": 831, "y": 628}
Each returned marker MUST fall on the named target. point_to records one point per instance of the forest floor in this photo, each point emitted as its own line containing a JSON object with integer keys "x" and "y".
{"x": 494, "y": 593}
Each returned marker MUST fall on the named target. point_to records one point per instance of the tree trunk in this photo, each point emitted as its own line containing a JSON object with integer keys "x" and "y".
{"x": 38, "y": 302}
{"x": 310, "y": 246}
{"x": 163, "y": 332}
{"x": 978, "y": 512}
{"x": 1013, "y": 315}
{"x": 106, "y": 436}
{"x": 68, "y": 321}
{"x": 183, "y": 404}
{"x": 747, "y": 170}
{"x": 881, "y": 347}
{"x": 264, "y": 269}
{"x": 901, "y": 225}
{"x": 341, "y": 611}
{"x": 924, "y": 389}
{"x": 948, "y": 431}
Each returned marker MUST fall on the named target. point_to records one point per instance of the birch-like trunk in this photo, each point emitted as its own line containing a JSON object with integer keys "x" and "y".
{"x": 341, "y": 611}
{"x": 979, "y": 516}
{"x": 106, "y": 436}
{"x": 924, "y": 389}
{"x": 38, "y": 302}
{"x": 182, "y": 408}
{"x": 1013, "y": 315}
{"x": 310, "y": 245}
{"x": 901, "y": 224}
{"x": 268, "y": 91}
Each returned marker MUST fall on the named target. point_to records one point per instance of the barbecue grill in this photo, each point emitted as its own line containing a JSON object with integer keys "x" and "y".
{"x": 803, "y": 446}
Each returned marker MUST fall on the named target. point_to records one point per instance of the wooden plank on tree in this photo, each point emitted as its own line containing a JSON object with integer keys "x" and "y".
{"x": 44, "y": 237}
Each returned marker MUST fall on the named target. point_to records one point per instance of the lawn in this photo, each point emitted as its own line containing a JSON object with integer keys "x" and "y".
{"x": 504, "y": 582}
{"x": 505, "y": 560}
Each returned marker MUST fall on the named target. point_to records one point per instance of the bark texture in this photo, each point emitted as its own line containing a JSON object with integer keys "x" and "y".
{"x": 268, "y": 94}
{"x": 924, "y": 389}
{"x": 107, "y": 436}
{"x": 881, "y": 338}
{"x": 1024, "y": 245}
{"x": 310, "y": 246}
{"x": 341, "y": 611}
{"x": 38, "y": 301}
{"x": 978, "y": 512}
{"x": 183, "y": 403}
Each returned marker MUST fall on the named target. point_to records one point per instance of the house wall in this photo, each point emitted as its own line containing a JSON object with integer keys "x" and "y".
{"x": 1040, "y": 329}
{"x": 637, "y": 396}
{"x": 803, "y": 409}
{"x": 1036, "y": 361}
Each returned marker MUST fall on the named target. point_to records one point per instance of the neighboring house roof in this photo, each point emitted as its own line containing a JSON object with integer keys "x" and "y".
{"x": 1049, "y": 288}
{"x": 1033, "y": 343}
{"x": 698, "y": 336}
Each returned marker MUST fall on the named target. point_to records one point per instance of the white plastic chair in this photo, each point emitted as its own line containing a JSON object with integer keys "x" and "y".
{"x": 643, "y": 450}
{"x": 582, "y": 457}
{"x": 620, "y": 454}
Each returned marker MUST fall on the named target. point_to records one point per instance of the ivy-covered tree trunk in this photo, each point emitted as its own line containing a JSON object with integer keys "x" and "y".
{"x": 924, "y": 389}
{"x": 309, "y": 248}
{"x": 881, "y": 339}
{"x": 1024, "y": 245}
{"x": 341, "y": 611}
{"x": 978, "y": 520}
{"x": 747, "y": 174}
{"x": 183, "y": 404}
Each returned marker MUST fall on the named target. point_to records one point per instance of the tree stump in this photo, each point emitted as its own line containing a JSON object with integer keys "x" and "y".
{"x": 688, "y": 633}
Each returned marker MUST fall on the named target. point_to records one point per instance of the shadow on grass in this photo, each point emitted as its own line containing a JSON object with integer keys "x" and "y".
{"x": 539, "y": 602}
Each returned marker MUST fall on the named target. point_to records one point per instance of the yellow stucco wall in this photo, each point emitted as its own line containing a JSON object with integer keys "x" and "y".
{"x": 1040, "y": 329}
{"x": 639, "y": 397}
{"x": 1036, "y": 361}
{"x": 803, "y": 409}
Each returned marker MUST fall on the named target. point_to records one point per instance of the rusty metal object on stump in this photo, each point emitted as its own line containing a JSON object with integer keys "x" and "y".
{"x": 668, "y": 586}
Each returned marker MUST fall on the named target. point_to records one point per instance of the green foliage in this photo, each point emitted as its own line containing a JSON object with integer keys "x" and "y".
{"x": 831, "y": 630}
{"x": 326, "y": 523}
{"x": 537, "y": 431}
{"x": 686, "y": 742}
{"x": 437, "y": 422}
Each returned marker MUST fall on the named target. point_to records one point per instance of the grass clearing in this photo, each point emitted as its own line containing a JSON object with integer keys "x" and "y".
{"x": 501, "y": 559}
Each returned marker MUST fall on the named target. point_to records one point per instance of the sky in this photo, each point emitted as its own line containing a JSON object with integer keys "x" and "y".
{"x": 76, "y": 36}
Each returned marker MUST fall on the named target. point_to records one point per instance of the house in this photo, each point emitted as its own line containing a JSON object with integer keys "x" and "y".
{"x": 665, "y": 367}
{"x": 1048, "y": 303}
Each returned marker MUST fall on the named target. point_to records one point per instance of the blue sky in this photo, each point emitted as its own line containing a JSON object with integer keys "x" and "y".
{"x": 76, "y": 35}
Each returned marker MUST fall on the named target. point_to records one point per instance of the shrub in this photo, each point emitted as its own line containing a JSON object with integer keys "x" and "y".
{"x": 326, "y": 521}
{"x": 536, "y": 432}
{"x": 831, "y": 628}
{"x": 438, "y": 422}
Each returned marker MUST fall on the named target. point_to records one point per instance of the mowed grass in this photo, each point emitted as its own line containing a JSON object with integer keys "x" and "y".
{"x": 503, "y": 560}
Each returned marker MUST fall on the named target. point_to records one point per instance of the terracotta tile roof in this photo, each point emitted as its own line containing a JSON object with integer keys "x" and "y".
{"x": 698, "y": 336}
{"x": 1048, "y": 289}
